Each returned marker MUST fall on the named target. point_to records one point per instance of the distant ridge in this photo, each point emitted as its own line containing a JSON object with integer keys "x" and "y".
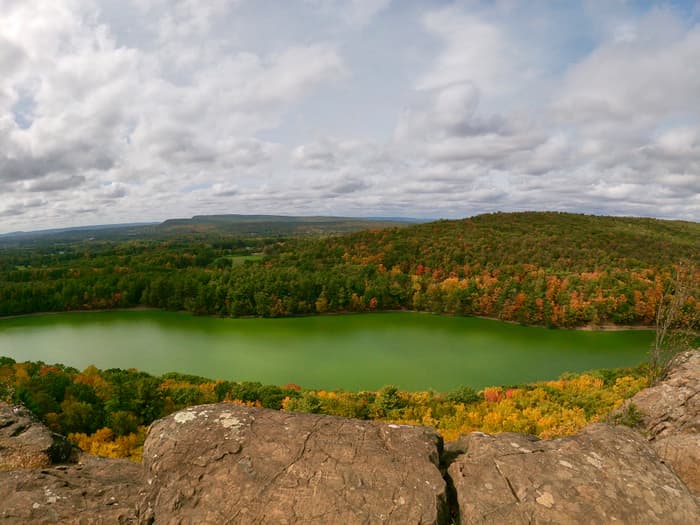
{"x": 271, "y": 225}
{"x": 222, "y": 224}
{"x": 51, "y": 231}
{"x": 236, "y": 218}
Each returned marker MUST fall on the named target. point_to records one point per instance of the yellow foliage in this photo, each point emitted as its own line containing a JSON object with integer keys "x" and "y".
{"x": 104, "y": 443}
{"x": 547, "y": 409}
{"x": 209, "y": 392}
{"x": 628, "y": 386}
{"x": 256, "y": 403}
{"x": 427, "y": 419}
{"x": 21, "y": 374}
{"x": 581, "y": 383}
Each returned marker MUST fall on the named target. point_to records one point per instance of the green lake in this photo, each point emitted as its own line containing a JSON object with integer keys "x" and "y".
{"x": 412, "y": 351}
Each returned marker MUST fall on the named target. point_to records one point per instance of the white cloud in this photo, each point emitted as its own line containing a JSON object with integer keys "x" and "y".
{"x": 638, "y": 80}
{"x": 683, "y": 141}
{"x": 482, "y": 53}
{"x": 314, "y": 156}
{"x": 352, "y": 12}
{"x": 361, "y": 107}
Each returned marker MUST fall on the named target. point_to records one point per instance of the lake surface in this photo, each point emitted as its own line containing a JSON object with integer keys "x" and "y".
{"x": 412, "y": 351}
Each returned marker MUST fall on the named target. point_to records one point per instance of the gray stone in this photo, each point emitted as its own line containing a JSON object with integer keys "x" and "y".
{"x": 671, "y": 417}
{"x": 682, "y": 453}
{"x": 25, "y": 442}
{"x": 94, "y": 491}
{"x": 604, "y": 474}
{"x": 673, "y": 406}
{"x": 226, "y": 463}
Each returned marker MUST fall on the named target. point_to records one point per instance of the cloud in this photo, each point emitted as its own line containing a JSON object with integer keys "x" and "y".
{"x": 56, "y": 183}
{"x": 113, "y": 191}
{"x": 361, "y": 107}
{"x": 314, "y": 156}
{"x": 637, "y": 80}
{"x": 94, "y": 111}
{"x": 227, "y": 193}
{"x": 350, "y": 186}
{"x": 480, "y": 51}
{"x": 20, "y": 208}
{"x": 609, "y": 131}
{"x": 449, "y": 127}
{"x": 351, "y": 12}
{"x": 683, "y": 141}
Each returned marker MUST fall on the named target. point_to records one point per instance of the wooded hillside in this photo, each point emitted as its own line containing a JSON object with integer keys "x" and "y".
{"x": 543, "y": 268}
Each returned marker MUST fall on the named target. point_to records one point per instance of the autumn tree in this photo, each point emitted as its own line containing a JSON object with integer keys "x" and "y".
{"x": 677, "y": 319}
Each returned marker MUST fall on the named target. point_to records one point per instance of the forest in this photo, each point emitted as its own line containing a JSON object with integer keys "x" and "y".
{"x": 551, "y": 269}
{"x": 537, "y": 268}
{"x": 106, "y": 412}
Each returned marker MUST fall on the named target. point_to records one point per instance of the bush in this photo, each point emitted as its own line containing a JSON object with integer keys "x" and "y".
{"x": 122, "y": 423}
{"x": 307, "y": 403}
{"x": 465, "y": 395}
{"x": 629, "y": 416}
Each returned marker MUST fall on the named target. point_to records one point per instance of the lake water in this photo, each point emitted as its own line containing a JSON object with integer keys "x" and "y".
{"x": 412, "y": 351}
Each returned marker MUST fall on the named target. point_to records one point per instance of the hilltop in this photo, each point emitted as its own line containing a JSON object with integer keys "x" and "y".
{"x": 563, "y": 241}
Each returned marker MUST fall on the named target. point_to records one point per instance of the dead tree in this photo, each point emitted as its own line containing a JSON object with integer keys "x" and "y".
{"x": 677, "y": 319}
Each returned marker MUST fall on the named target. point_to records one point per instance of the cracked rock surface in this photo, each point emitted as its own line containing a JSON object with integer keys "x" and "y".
{"x": 26, "y": 443}
{"x": 93, "y": 491}
{"x": 604, "y": 474}
{"x": 226, "y": 463}
{"x": 671, "y": 418}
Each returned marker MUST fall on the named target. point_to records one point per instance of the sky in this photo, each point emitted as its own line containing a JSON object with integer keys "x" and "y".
{"x": 117, "y": 111}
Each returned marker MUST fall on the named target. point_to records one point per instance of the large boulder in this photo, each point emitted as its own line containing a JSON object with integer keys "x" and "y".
{"x": 673, "y": 406}
{"x": 604, "y": 474}
{"x": 94, "y": 491}
{"x": 226, "y": 463}
{"x": 670, "y": 413}
{"x": 26, "y": 443}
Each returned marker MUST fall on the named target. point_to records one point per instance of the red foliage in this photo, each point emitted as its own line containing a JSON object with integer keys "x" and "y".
{"x": 492, "y": 395}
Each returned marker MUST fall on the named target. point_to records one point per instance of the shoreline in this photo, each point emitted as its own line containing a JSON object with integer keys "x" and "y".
{"x": 96, "y": 310}
{"x": 608, "y": 327}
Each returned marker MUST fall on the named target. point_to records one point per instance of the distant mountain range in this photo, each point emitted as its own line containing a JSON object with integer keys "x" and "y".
{"x": 233, "y": 224}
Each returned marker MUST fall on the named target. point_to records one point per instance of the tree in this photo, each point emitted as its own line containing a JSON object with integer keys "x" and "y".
{"x": 677, "y": 320}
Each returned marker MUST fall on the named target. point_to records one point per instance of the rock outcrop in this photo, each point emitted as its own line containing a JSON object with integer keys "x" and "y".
{"x": 670, "y": 413}
{"x": 231, "y": 464}
{"x": 604, "y": 474}
{"x": 92, "y": 491}
{"x": 43, "y": 479}
{"x": 228, "y": 464}
{"x": 26, "y": 443}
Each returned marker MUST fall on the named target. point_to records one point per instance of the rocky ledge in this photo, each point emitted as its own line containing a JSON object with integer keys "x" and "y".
{"x": 26, "y": 443}
{"x": 226, "y": 463}
{"x": 670, "y": 418}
